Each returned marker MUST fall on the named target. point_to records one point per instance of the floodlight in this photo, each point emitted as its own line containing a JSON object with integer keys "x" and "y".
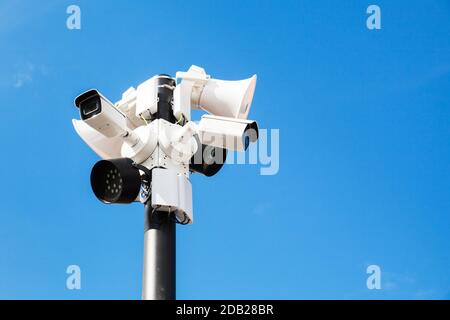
{"x": 116, "y": 181}
{"x": 208, "y": 160}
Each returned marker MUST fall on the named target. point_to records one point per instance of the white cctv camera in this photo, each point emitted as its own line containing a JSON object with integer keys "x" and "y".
{"x": 100, "y": 114}
{"x": 228, "y": 133}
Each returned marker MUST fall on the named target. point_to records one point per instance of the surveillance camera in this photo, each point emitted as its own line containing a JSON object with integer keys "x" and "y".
{"x": 229, "y": 133}
{"x": 100, "y": 114}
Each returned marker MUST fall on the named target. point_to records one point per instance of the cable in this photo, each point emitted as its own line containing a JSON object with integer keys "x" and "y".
{"x": 181, "y": 118}
{"x": 142, "y": 117}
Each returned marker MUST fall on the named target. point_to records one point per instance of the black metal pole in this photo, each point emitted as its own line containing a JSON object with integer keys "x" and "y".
{"x": 159, "y": 275}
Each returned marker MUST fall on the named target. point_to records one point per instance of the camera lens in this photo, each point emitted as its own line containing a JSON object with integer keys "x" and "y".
{"x": 246, "y": 141}
{"x": 90, "y": 107}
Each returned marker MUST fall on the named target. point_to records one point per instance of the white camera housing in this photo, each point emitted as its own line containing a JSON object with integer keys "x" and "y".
{"x": 100, "y": 114}
{"x": 147, "y": 99}
{"x": 104, "y": 147}
{"x": 229, "y": 133}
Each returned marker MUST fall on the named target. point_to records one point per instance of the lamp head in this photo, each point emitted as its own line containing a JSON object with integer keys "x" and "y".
{"x": 116, "y": 181}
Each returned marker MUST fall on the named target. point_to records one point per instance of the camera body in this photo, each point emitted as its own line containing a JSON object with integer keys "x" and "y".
{"x": 228, "y": 133}
{"x": 100, "y": 114}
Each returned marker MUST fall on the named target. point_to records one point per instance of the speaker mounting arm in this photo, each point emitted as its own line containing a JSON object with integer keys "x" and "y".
{"x": 190, "y": 85}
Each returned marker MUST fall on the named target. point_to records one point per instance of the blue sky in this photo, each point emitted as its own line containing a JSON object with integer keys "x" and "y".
{"x": 364, "y": 149}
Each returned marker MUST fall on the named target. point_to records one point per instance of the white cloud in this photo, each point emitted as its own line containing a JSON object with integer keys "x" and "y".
{"x": 395, "y": 281}
{"x": 24, "y": 75}
{"x": 422, "y": 294}
{"x": 262, "y": 208}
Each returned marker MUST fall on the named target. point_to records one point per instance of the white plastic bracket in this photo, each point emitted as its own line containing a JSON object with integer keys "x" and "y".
{"x": 189, "y": 87}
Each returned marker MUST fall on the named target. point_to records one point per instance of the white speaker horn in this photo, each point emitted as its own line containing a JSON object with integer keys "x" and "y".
{"x": 226, "y": 98}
